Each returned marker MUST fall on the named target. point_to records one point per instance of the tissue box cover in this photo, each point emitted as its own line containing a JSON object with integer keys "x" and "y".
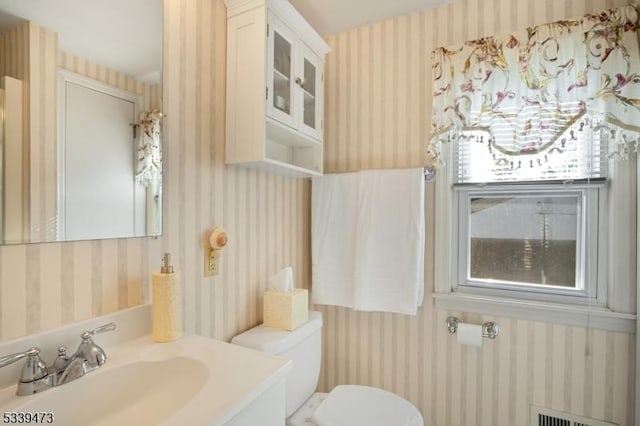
{"x": 286, "y": 311}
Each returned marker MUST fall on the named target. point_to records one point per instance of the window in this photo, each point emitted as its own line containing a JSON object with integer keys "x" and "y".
{"x": 532, "y": 241}
{"x": 557, "y": 250}
{"x": 536, "y": 202}
{"x": 530, "y": 231}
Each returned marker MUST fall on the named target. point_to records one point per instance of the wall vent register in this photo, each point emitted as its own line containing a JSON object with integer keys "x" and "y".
{"x": 545, "y": 417}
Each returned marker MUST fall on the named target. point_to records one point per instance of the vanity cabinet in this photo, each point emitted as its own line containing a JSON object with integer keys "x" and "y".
{"x": 275, "y": 89}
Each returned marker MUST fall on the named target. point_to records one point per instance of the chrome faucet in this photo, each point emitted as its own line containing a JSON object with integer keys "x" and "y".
{"x": 37, "y": 377}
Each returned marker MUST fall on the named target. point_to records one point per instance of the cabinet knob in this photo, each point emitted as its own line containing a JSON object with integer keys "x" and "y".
{"x": 299, "y": 82}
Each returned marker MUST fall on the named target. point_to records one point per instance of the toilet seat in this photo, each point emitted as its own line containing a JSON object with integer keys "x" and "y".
{"x": 366, "y": 406}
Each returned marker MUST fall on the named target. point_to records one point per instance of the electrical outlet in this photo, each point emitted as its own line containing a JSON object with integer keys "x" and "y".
{"x": 213, "y": 265}
{"x": 210, "y": 264}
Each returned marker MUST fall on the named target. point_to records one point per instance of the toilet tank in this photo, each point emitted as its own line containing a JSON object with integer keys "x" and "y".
{"x": 302, "y": 346}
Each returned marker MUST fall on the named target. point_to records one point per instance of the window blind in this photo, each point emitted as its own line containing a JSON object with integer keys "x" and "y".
{"x": 490, "y": 155}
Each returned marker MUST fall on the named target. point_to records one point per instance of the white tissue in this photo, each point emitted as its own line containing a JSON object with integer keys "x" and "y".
{"x": 282, "y": 281}
{"x": 469, "y": 334}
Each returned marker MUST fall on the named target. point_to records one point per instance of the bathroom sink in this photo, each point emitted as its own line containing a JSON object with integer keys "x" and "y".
{"x": 136, "y": 393}
{"x": 192, "y": 381}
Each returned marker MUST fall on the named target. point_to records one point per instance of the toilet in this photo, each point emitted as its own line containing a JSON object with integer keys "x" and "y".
{"x": 346, "y": 404}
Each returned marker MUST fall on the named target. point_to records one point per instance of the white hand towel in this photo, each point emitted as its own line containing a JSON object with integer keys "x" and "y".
{"x": 368, "y": 240}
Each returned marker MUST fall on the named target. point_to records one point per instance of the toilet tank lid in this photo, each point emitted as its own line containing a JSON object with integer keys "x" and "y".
{"x": 275, "y": 341}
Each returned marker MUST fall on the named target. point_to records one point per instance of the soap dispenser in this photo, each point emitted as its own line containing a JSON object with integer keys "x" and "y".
{"x": 167, "y": 303}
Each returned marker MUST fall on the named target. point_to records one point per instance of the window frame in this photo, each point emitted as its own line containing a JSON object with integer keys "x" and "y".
{"x": 619, "y": 245}
{"x": 591, "y": 233}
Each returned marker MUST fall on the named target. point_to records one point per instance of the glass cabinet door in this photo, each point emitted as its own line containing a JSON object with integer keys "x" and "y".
{"x": 294, "y": 81}
{"x": 281, "y": 73}
{"x": 311, "y": 84}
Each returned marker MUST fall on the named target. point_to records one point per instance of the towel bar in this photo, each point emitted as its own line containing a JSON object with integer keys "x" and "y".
{"x": 489, "y": 329}
{"x": 429, "y": 174}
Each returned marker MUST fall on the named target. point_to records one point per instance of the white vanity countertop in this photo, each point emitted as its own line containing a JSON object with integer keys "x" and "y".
{"x": 191, "y": 381}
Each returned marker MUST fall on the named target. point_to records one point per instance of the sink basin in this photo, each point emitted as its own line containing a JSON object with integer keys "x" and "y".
{"x": 192, "y": 381}
{"x": 145, "y": 392}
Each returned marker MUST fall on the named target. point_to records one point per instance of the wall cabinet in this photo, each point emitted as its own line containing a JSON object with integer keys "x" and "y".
{"x": 275, "y": 88}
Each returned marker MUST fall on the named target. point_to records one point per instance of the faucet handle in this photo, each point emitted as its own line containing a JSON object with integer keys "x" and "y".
{"x": 92, "y": 354}
{"x": 34, "y": 369}
{"x": 87, "y": 335}
{"x": 10, "y": 359}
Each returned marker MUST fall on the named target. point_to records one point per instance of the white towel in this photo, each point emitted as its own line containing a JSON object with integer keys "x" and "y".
{"x": 368, "y": 240}
{"x": 334, "y": 201}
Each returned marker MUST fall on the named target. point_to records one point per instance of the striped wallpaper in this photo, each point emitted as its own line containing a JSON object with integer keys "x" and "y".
{"x": 152, "y": 93}
{"x": 43, "y": 286}
{"x": 28, "y": 54}
{"x": 377, "y": 115}
{"x": 43, "y": 45}
{"x": 267, "y": 217}
{"x": 14, "y": 63}
{"x": 14, "y": 48}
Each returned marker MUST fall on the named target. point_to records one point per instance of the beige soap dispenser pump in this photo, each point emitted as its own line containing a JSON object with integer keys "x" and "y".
{"x": 167, "y": 303}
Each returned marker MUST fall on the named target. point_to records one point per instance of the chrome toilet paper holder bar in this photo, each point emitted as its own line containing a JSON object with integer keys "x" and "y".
{"x": 489, "y": 329}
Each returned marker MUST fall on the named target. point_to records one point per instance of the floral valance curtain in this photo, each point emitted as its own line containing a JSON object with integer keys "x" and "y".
{"x": 527, "y": 90}
{"x": 149, "y": 168}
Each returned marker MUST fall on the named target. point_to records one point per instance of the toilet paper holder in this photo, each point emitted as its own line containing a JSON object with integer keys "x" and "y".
{"x": 489, "y": 329}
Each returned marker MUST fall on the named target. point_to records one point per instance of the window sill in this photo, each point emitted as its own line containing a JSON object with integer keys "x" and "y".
{"x": 578, "y": 316}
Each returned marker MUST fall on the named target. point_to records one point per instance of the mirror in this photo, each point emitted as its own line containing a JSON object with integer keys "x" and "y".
{"x": 80, "y": 123}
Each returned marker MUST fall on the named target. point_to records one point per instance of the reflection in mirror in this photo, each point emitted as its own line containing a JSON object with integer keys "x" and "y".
{"x": 1, "y": 161}
{"x": 80, "y": 130}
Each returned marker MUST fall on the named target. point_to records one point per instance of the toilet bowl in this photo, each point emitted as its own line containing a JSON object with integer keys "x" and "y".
{"x": 346, "y": 404}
